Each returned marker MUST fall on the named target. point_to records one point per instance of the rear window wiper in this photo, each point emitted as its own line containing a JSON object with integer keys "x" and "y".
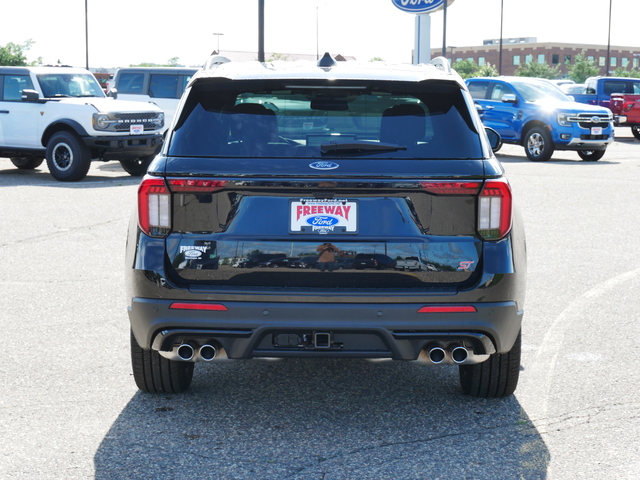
{"x": 358, "y": 148}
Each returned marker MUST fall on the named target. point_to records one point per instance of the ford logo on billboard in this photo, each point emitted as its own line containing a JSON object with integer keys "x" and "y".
{"x": 322, "y": 221}
{"x": 324, "y": 165}
{"x": 420, "y": 6}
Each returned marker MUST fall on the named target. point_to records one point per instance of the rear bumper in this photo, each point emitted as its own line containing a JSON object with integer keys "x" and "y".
{"x": 261, "y": 329}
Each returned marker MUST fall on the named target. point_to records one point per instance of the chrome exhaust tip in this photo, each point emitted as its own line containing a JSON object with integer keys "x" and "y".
{"x": 185, "y": 352}
{"x": 459, "y": 354}
{"x": 207, "y": 352}
{"x": 437, "y": 355}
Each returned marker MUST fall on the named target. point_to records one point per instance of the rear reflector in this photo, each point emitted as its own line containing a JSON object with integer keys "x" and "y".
{"x": 448, "y": 309}
{"x": 199, "y": 306}
{"x": 494, "y": 210}
{"x": 154, "y": 207}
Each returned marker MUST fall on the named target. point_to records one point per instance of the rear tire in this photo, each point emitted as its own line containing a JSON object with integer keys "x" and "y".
{"x": 538, "y": 144}
{"x": 495, "y": 377}
{"x": 68, "y": 158}
{"x": 591, "y": 155}
{"x": 27, "y": 163}
{"x": 155, "y": 374}
{"x": 636, "y": 131}
{"x": 137, "y": 167}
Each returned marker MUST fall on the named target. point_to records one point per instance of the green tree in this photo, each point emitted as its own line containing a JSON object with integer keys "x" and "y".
{"x": 487, "y": 70}
{"x": 465, "y": 68}
{"x": 538, "y": 70}
{"x": 621, "y": 72}
{"x": 13, "y": 54}
{"x": 376, "y": 59}
{"x": 172, "y": 62}
{"x": 582, "y": 68}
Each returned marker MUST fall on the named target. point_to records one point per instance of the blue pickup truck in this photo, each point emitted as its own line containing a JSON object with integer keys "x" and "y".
{"x": 534, "y": 113}
{"x": 598, "y": 90}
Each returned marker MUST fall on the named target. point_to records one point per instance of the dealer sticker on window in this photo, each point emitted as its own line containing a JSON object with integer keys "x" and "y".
{"x": 136, "y": 129}
{"x": 323, "y": 216}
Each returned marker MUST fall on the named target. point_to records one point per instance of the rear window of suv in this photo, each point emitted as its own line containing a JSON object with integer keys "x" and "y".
{"x": 236, "y": 118}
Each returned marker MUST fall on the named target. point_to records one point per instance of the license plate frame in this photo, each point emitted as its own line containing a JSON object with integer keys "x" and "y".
{"x": 319, "y": 216}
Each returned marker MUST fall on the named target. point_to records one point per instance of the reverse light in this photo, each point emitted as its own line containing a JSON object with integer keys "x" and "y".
{"x": 494, "y": 210}
{"x": 154, "y": 207}
{"x": 447, "y": 309}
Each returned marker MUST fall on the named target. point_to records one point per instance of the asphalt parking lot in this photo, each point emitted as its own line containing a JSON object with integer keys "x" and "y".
{"x": 69, "y": 408}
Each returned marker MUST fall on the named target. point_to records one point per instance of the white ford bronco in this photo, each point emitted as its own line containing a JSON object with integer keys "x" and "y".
{"x": 62, "y": 114}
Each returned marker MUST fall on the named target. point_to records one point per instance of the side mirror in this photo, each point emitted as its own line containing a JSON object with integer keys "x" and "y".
{"x": 494, "y": 139}
{"x": 30, "y": 96}
{"x": 113, "y": 93}
{"x": 509, "y": 98}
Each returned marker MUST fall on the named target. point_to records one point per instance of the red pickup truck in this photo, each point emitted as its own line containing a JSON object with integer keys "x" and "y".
{"x": 627, "y": 108}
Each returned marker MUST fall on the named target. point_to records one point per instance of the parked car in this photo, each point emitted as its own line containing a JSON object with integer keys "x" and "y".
{"x": 62, "y": 115}
{"x": 373, "y": 260}
{"x": 598, "y": 90}
{"x": 409, "y": 263}
{"x": 626, "y": 111}
{"x": 163, "y": 86}
{"x": 305, "y": 262}
{"x": 376, "y": 157}
{"x": 572, "y": 88}
{"x": 534, "y": 113}
{"x": 261, "y": 259}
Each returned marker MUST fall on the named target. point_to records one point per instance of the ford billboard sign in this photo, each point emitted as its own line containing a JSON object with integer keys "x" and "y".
{"x": 420, "y": 6}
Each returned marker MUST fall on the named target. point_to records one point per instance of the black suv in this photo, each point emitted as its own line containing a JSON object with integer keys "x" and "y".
{"x": 269, "y": 160}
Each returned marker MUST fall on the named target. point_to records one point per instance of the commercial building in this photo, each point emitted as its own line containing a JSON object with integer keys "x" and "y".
{"x": 520, "y": 51}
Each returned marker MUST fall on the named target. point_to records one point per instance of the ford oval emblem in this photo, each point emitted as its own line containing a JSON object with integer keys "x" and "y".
{"x": 420, "y": 6}
{"x": 322, "y": 221}
{"x": 193, "y": 253}
{"x": 324, "y": 165}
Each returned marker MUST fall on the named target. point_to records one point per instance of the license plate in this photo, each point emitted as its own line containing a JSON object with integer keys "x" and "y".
{"x": 136, "y": 129}
{"x": 596, "y": 130}
{"x": 323, "y": 216}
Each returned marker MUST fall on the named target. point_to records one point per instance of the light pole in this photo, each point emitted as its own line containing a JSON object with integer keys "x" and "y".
{"x": 218, "y": 35}
{"x": 609, "y": 43}
{"x": 86, "y": 33}
{"x": 501, "y": 22}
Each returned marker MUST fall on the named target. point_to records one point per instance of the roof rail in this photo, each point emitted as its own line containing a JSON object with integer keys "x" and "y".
{"x": 214, "y": 61}
{"x": 441, "y": 63}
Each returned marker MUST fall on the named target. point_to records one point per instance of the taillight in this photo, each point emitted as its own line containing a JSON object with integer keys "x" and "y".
{"x": 494, "y": 210}
{"x": 452, "y": 188}
{"x": 187, "y": 185}
{"x": 154, "y": 200}
{"x": 154, "y": 207}
{"x": 628, "y": 106}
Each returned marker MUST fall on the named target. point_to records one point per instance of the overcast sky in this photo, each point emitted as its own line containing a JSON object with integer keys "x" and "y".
{"x": 124, "y": 32}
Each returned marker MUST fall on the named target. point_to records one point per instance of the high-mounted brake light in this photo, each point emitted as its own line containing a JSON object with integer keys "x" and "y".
{"x": 447, "y": 309}
{"x": 494, "y": 210}
{"x": 154, "y": 207}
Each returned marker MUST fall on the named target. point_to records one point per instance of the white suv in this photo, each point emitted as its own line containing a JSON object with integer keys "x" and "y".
{"x": 163, "y": 86}
{"x": 62, "y": 114}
